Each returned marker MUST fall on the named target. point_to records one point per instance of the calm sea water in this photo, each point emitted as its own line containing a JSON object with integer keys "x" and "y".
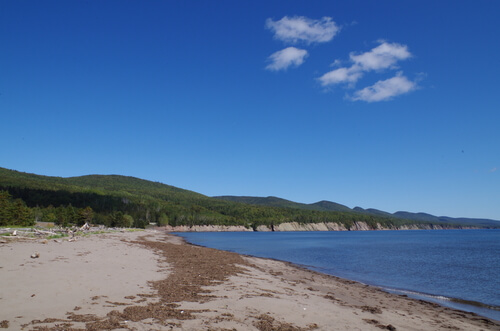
{"x": 456, "y": 268}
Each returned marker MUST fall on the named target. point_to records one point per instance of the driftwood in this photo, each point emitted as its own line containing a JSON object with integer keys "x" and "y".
{"x": 18, "y": 237}
{"x": 42, "y": 232}
{"x": 85, "y": 227}
{"x": 27, "y": 233}
{"x": 38, "y": 233}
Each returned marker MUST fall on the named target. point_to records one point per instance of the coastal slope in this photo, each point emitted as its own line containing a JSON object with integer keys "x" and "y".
{"x": 123, "y": 201}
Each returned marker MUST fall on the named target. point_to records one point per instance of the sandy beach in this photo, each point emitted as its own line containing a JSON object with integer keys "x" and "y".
{"x": 151, "y": 280}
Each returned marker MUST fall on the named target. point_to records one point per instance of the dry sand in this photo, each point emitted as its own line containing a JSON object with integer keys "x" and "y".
{"x": 83, "y": 276}
{"x": 150, "y": 280}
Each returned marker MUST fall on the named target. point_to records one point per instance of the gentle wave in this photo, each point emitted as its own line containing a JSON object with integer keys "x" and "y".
{"x": 428, "y": 296}
{"x": 414, "y": 293}
{"x": 443, "y": 298}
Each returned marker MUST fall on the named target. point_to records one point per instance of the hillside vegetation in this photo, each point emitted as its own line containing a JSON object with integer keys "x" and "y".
{"x": 115, "y": 200}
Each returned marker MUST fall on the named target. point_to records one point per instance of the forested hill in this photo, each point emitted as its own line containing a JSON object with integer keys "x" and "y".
{"x": 115, "y": 200}
{"x": 101, "y": 184}
{"x": 57, "y": 199}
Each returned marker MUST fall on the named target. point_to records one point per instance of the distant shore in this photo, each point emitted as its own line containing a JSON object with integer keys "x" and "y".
{"x": 295, "y": 226}
{"x": 151, "y": 280}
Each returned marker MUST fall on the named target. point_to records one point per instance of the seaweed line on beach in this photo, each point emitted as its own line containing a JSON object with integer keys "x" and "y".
{"x": 193, "y": 267}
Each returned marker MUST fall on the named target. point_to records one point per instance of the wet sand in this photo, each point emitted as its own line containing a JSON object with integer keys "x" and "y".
{"x": 151, "y": 280}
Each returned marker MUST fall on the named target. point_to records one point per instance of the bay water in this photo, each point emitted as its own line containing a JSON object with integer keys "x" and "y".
{"x": 455, "y": 268}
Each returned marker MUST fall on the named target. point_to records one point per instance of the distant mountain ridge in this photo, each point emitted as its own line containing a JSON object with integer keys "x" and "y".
{"x": 333, "y": 206}
{"x": 283, "y": 203}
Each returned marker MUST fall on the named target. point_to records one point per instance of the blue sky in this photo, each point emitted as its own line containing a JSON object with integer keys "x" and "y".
{"x": 391, "y": 105}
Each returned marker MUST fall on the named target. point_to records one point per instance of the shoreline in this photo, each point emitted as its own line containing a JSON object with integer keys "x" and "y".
{"x": 452, "y": 303}
{"x": 414, "y": 302}
{"x": 469, "y": 306}
{"x": 413, "y": 295}
{"x": 182, "y": 286}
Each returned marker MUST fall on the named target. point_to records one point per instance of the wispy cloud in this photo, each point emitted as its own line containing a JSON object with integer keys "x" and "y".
{"x": 385, "y": 89}
{"x": 493, "y": 169}
{"x": 340, "y": 75}
{"x": 285, "y": 58}
{"x": 302, "y": 29}
{"x": 384, "y": 56}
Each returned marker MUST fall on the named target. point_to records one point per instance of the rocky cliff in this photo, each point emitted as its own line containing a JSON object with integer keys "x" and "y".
{"x": 294, "y": 226}
{"x": 206, "y": 228}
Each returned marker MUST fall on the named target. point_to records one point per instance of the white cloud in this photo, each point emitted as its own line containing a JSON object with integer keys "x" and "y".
{"x": 385, "y": 89}
{"x": 336, "y": 63}
{"x": 493, "y": 169}
{"x": 340, "y": 75}
{"x": 383, "y": 56}
{"x": 300, "y": 28}
{"x": 285, "y": 58}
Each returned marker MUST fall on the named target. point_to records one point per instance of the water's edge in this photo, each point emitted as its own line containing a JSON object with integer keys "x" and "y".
{"x": 474, "y": 307}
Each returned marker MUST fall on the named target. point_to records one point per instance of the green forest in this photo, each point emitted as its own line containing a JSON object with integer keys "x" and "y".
{"x": 121, "y": 201}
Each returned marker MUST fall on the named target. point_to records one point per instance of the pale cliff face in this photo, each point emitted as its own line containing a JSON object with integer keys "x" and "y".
{"x": 294, "y": 226}
{"x": 206, "y": 228}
